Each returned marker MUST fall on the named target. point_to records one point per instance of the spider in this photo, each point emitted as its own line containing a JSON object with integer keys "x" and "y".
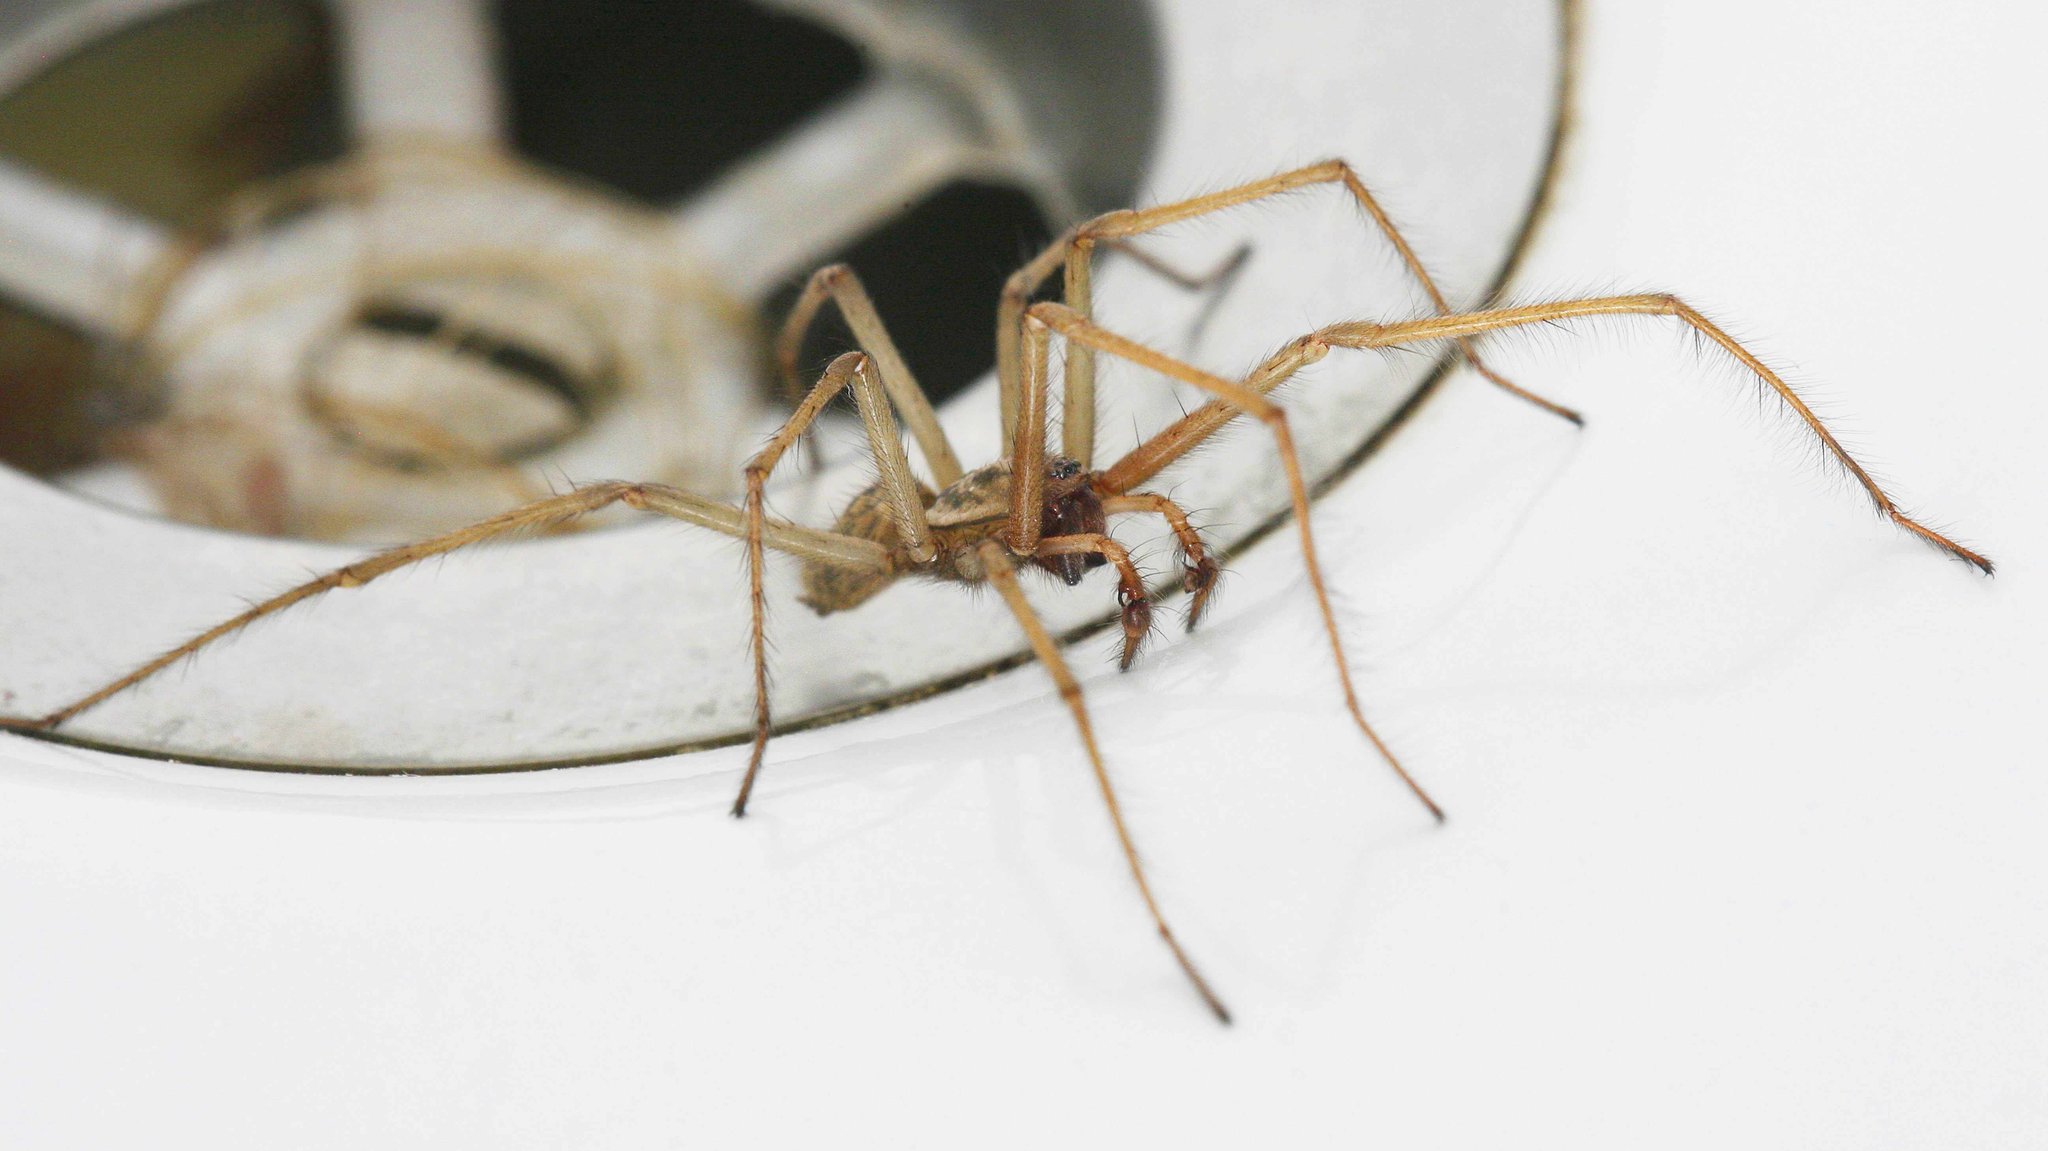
{"x": 1037, "y": 509}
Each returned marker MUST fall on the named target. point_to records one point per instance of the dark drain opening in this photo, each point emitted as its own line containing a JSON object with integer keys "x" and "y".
{"x": 935, "y": 272}
{"x": 658, "y": 99}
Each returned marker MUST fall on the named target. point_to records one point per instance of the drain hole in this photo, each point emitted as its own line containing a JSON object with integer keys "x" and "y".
{"x": 536, "y": 368}
{"x": 458, "y": 374}
{"x": 935, "y": 273}
{"x": 657, "y": 99}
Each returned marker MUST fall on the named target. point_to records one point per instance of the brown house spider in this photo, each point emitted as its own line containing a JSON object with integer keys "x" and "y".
{"x": 1035, "y": 508}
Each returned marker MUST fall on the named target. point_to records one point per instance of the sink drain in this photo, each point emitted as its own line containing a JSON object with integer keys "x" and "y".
{"x": 631, "y": 642}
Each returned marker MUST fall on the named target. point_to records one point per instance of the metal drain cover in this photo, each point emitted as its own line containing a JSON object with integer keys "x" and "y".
{"x": 622, "y": 643}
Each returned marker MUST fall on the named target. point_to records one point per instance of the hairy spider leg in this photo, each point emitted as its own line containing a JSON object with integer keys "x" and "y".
{"x": 809, "y": 543}
{"x": 838, "y": 284}
{"x": 1025, "y": 489}
{"x": 997, "y": 569}
{"x": 1074, "y": 252}
{"x": 854, "y": 369}
{"x": 1364, "y": 334}
{"x": 1198, "y": 568}
{"x": 1151, "y": 457}
{"x": 1000, "y": 572}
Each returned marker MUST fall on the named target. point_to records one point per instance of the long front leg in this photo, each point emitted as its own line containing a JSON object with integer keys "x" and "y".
{"x": 1074, "y": 252}
{"x": 1363, "y": 334}
{"x": 855, "y": 370}
{"x": 825, "y": 547}
{"x": 1016, "y": 296}
{"x": 1251, "y": 402}
{"x": 1148, "y": 459}
{"x": 839, "y": 284}
{"x": 999, "y": 571}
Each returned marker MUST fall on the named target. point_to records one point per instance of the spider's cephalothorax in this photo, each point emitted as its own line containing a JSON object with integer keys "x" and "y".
{"x": 969, "y": 512}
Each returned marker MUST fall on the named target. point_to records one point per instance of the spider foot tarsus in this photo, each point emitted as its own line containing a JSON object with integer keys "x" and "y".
{"x": 1934, "y": 538}
{"x": 1569, "y": 415}
{"x": 1137, "y": 621}
{"x": 1198, "y": 579}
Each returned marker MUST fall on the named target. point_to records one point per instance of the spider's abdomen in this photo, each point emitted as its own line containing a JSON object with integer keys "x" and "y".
{"x": 829, "y": 588}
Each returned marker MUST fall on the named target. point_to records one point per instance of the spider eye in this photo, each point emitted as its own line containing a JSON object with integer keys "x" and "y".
{"x": 1061, "y": 468}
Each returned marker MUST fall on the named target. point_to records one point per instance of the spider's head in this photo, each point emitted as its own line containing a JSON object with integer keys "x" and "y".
{"x": 1071, "y": 509}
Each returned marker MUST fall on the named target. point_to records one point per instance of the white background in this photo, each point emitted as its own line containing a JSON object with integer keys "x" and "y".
{"x": 1745, "y": 790}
